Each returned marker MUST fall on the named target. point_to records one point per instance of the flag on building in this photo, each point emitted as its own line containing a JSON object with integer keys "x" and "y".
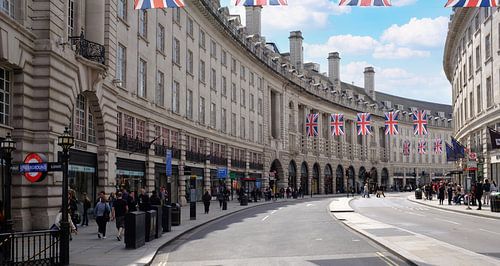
{"x": 422, "y": 147}
{"x": 312, "y": 125}
{"x": 406, "y": 148}
{"x": 458, "y": 148}
{"x": 337, "y": 124}
{"x": 438, "y": 146}
{"x": 365, "y": 3}
{"x": 495, "y": 138}
{"x": 472, "y": 3}
{"x": 363, "y": 124}
{"x": 261, "y": 3}
{"x": 148, "y": 4}
{"x": 451, "y": 155}
{"x": 391, "y": 123}
{"x": 420, "y": 123}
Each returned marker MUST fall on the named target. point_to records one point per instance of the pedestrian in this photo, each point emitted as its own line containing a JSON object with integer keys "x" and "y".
{"x": 72, "y": 226}
{"x": 441, "y": 190}
{"x": 479, "y": 193}
{"x": 144, "y": 203}
{"x": 206, "y": 201}
{"x": 450, "y": 193}
{"x": 486, "y": 190}
{"x": 119, "y": 210}
{"x": 366, "y": 192}
{"x": 86, "y": 207}
{"x": 220, "y": 197}
{"x": 101, "y": 213}
{"x": 131, "y": 202}
{"x": 73, "y": 207}
{"x": 154, "y": 200}
{"x": 111, "y": 199}
{"x": 493, "y": 186}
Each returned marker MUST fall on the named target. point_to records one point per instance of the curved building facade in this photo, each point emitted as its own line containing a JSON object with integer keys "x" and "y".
{"x": 134, "y": 84}
{"x": 472, "y": 65}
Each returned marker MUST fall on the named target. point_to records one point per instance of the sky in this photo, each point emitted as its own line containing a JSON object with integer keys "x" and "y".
{"x": 404, "y": 43}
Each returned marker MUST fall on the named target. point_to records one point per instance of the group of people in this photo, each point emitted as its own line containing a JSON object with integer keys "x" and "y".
{"x": 479, "y": 193}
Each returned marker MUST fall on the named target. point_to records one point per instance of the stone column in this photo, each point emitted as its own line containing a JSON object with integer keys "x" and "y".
{"x": 207, "y": 179}
{"x": 182, "y": 177}
{"x": 309, "y": 178}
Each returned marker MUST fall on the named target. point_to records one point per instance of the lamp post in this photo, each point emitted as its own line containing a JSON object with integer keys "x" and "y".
{"x": 66, "y": 141}
{"x": 8, "y": 146}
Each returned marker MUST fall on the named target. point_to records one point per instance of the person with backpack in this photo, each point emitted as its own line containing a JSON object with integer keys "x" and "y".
{"x": 101, "y": 213}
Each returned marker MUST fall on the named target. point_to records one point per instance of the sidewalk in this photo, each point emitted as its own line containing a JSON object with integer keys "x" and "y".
{"x": 87, "y": 249}
{"x": 484, "y": 212}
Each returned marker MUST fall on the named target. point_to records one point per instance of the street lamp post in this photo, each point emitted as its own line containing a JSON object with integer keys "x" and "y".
{"x": 8, "y": 146}
{"x": 66, "y": 141}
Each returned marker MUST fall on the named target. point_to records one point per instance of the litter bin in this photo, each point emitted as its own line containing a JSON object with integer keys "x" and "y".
{"x": 418, "y": 193}
{"x": 159, "y": 220}
{"x": 244, "y": 200}
{"x": 166, "y": 218}
{"x": 135, "y": 229}
{"x": 176, "y": 214}
{"x": 495, "y": 201}
{"x": 150, "y": 225}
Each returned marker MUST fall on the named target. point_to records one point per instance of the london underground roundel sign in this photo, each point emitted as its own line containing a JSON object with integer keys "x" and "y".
{"x": 35, "y": 158}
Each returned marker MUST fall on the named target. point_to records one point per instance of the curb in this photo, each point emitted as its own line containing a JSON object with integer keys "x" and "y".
{"x": 452, "y": 210}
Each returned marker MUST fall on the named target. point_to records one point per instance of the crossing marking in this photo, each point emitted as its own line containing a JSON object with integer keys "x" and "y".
{"x": 451, "y": 222}
{"x": 273, "y": 211}
{"x": 263, "y": 219}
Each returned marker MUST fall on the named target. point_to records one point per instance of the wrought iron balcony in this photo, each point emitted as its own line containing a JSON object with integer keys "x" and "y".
{"x": 238, "y": 164}
{"x": 194, "y": 156}
{"x": 218, "y": 160}
{"x": 133, "y": 145}
{"x": 256, "y": 166}
{"x": 87, "y": 49}
{"x": 161, "y": 150}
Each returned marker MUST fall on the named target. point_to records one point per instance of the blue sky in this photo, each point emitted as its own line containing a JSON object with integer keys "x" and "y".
{"x": 404, "y": 42}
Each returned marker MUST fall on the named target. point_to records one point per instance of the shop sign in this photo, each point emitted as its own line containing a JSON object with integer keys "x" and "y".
{"x": 221, "y": 172}
{"x": 129, "y": 173}
{"x": 232, "y": 175}
{"x": 495, "y": 159}
{"x": 471, "y": 164}
{"x": 81, "y": 169}
{"x": 168, "y": 162}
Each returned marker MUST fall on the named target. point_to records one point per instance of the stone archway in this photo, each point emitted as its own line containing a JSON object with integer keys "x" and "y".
{"x": 328, "y": 179}
{"x": 339, "y": 179}
{"x": 304, "y": 178}
{"x": 384, "y": 182}
{"x": 373, "y": 178}
{"x": 351, "y": 175}
{"x": 292, "y": 175}
{"x": 315, "y": 179}
{"x": 276, "y": 174}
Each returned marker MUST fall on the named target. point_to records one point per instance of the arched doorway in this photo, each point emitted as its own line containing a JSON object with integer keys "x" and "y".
{"x": 315, "y": 179}
{"x": 339, "y": 179}
{"x": 304, "y": 178}
{"x": 373, "y": 178}
{"x": 362, "y": 178}
{"x": 328, "y": 179}
{"x": 292, "y": 175}
{"x": 275, "y": 174}
{"x": 350, "y": 178}
{"x": 384, "y": 178}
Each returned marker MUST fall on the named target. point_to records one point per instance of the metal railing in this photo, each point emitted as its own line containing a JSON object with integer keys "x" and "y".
{"x": 256, "y": 166}
{"x": 217, "y": 160}
{"x": 30, "y": 248}
{"x": 161, "y": 150}
{"x": 87, "y": 49}
{"x": 238, "y": 164}
{"x": 133, "y": 145}
{"x": 194, "y": 156}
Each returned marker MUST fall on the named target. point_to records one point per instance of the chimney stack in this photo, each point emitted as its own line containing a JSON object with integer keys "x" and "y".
{"x": 370, "y": 82}
{"x": 296, "y": 50}
{"x": 334, "y": 69}
{"x": 253, "y": 16}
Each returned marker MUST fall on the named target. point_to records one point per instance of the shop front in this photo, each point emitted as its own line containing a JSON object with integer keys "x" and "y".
{"x": 130, "y": 174}
{"x": 82, "y": 174}
{"x": 170, "y": 183}
{"x": 194, "y": 180}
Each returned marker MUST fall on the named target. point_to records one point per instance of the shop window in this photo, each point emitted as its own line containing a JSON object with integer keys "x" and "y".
{"x": 128, "y": 125}
{"x": 71, "y": 18}
{"x": 140, "y": 129}
{"x": 119, "y": 124}
{"x": 84, "y": 125}
{"x": 7, "y": 6}
{"x": 5, "y": 78}
{"x": 165, "y": 136}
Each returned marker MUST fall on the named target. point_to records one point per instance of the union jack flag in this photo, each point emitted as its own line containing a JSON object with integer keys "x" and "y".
{"x": 391, "y": 123}
{"x": 312, "y": 125}
{"x": 364, "y": 124}
{"x": 406, "y": 148}
{"x": 422, "y": 147}
{"x": 365, "y": 3}
{"x": 472, "y": 3}
{"x": 438, "y": 146}
{"x": 337, "y": 124}
{"x": 261, "y": 2}
{"x": 148, "y": 4}
{"x": 420, "y": 123}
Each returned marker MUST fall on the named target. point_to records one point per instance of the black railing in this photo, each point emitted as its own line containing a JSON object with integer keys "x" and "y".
{"x": 194, "y": 156}
{"x": 30, "y": 248}
{"x": 238, "y": 164}
{"x": 90, "y": 50}
{"x": 218, "y": 160}
{"x": 133, "y": 145}
{"x": 256, "y": 166}
{"x": 161, "y": 150}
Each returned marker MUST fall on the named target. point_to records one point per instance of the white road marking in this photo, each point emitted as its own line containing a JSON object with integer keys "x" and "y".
{"x": 309, "y": 205}
{"x": 319, "y": 239}
{"x": 451, "y": 222}
{"x": 484, "y": 230}
{"x": 355, "y": 240}
{"x": 386, "y": 259}
{"x": 273, "y": 211}
{"x": 417, "y": 214}
{"x": 263, "y": 219}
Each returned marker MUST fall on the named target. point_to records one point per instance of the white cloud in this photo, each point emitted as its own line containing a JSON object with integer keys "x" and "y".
{"x": 391, "y": 51}
{"x": 425, "y": 32}
{"x": 346, "y": 44}
{"x": 403, "y": 2}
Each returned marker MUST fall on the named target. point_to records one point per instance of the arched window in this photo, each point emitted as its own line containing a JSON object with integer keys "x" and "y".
{"x": 84, "y": 127}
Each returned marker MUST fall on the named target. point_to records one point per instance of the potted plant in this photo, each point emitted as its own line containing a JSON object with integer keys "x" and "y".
{"x": 495, "y": 201}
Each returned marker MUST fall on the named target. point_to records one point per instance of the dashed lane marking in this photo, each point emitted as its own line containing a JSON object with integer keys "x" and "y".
{"x": 263, "y": 219}
{"x": 448, "y": 221}
{"x": 484, "y": 230}
{"x": 386, "y": 259}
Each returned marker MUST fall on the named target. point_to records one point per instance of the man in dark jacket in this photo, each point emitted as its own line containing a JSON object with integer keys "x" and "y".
{"x": 144, "y": 203}
{"x": 478, "y": 193}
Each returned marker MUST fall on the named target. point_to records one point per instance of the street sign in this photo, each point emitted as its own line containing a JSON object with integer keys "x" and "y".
{"x": 232, "y": 175}
{"x": 221, "y": 172}
{"x": 168, "y": 162}
{"x": 38, "y": 171}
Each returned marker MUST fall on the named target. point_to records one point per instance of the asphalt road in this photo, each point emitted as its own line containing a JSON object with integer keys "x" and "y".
{"x": 481, "y": 235}
{"x": 288, "y": 233}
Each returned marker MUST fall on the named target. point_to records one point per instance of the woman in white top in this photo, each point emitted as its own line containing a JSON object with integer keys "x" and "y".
{"x": 58, "y": 220}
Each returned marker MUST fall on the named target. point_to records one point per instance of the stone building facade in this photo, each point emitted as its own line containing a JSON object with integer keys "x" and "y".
{"x": 472, "y": 65}
{"x": 133, "y": 84}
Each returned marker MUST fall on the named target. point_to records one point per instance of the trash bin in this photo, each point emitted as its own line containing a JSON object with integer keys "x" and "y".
{"x": 135, "y": 229}
{"x": 418, "y": 193}
{"x": 176, "y": 214}
{"x": 244, "y": 200}
{"x": 495, "y": 201}
{"x": 159, "y": 220}
{"x": 166, "y": 218}
{"x": 150, "y": 225}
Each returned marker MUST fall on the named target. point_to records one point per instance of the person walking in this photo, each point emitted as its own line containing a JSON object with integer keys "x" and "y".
{"x": 72, "y": 226}
{"x": 478, "y": 193}
{"x": 119, "y": 210}
{"x": 144, "y": 203}
{"x": 154, "y": 200}
{"x": 493, "y": 186}
{"x": 131, "y": 202}
{"x": 486, "y": 190}
{"x": 206, "y": 201}
{"x": 86, "y": 207}
{"x": 366, "y": 192}
{"x": 450, "y": 193}
{"x": 441, "y": 190}
{"x": 101, "y": 214}
{"x": 220, "y": 197}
